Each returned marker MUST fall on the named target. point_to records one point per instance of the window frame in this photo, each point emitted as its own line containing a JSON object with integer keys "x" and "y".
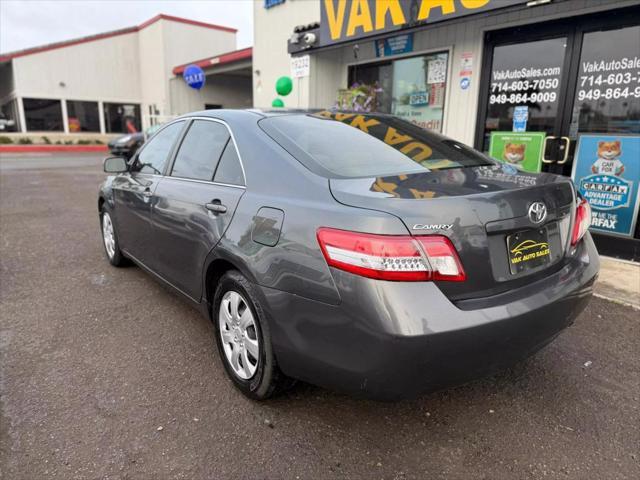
{"x": 97, "y": 104}
{"x": 27, "y": 120}
{"x": 172, "y": 157}
{"x": 170, "y": 172}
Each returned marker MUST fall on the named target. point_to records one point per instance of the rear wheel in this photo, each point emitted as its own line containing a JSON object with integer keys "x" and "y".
{"x": 110, "y": 239}
{"x": 244, "y": 339}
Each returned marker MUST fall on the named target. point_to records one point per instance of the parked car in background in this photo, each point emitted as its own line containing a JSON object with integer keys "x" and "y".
{"x": 6, "y": 124}
{"x": 353, "y": 251}
{"x": 127, "y": 145}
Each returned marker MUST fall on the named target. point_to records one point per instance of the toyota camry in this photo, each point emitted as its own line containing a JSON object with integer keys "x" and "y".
{"x": 353, "y": 251}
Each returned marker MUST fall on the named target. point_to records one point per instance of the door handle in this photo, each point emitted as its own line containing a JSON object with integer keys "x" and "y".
{"x": 216, "y": 206}
{"x": 544, "y": 149}
{"x": 147, "y": 193}
{"x": 567, "y": 144}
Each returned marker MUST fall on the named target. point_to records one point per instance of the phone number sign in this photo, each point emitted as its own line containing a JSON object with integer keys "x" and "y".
{"x": 606, "y": 171}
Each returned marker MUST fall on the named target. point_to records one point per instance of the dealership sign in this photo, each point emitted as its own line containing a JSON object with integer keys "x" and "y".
{"x": 343, "y": 20}
{"x": 194, "y": 76}
{"x": 606, "y": 171}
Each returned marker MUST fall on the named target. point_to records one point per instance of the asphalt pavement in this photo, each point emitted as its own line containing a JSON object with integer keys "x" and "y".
{"x": 105, "y": 374}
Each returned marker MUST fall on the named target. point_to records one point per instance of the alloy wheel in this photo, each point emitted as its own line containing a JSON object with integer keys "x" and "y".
{"x": 108, "y": 235}
{"x": 239, "y": 334}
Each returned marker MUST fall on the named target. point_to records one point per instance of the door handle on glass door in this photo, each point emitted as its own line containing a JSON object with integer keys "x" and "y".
{"x": 544, "y": 150}
{"x": 566, "y": 146}
{"x": 216, "y": 206}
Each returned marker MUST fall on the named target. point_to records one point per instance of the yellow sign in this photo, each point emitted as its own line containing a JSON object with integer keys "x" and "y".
{"x": 529, "y": 250}
{"x": 343, "y": 20}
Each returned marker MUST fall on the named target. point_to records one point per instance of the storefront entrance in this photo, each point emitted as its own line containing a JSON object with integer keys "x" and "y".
{"x": 569, "y": 80}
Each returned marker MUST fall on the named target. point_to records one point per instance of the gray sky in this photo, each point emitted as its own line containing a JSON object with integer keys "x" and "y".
{"x": 30, "y": 23}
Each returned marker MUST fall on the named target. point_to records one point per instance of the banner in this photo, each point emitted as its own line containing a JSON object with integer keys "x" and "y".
{"x": 521, "y": 149}
{"x": 606, "y": 171}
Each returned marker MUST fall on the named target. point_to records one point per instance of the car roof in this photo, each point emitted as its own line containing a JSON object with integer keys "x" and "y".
{"x": 249, "y": 112}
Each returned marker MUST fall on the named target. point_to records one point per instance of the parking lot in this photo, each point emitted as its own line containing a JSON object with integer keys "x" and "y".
{"x": 106, "y": 374}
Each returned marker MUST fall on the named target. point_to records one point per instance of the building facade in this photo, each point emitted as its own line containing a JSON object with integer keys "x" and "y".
{"x": 118, "y": 82}
{"x": 563, "y": 72}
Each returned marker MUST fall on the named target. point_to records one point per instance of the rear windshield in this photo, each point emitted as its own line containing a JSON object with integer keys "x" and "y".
{"x": 350, "y": 145}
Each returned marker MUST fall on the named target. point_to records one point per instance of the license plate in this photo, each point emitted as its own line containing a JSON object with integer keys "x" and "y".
{"x": 528, "y": 249}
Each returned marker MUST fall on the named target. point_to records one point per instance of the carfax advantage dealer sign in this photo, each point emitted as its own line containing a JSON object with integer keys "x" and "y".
{"x": 344, "y": 20}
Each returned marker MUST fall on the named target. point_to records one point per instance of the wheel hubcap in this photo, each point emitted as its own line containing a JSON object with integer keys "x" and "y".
{"x": 107, "y": 235}
{"x": 239, "y": 335}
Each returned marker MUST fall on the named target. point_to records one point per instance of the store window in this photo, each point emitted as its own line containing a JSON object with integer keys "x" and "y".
{"x": 83, "y": 116}
{"x": 42, "y": 115}
{"x": 121, "y": 117}
{"x": 607, "y": 97}
{"x": 411, "y": 88}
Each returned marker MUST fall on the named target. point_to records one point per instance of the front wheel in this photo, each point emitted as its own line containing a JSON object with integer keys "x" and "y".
{"x": 244, "y": 339}
{"x": 110, "y": 239}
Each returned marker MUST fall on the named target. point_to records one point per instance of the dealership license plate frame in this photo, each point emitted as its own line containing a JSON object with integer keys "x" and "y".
{"x": 528, "y": 250}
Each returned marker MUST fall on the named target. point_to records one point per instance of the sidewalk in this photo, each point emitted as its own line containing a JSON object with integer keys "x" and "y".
{"x": 619, "y": 281}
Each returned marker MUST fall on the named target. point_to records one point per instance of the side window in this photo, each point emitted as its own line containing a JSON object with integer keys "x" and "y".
{"x": 229, "y": 170}
{"x": 154, "y": 155}
{"x": 200, "y": 150}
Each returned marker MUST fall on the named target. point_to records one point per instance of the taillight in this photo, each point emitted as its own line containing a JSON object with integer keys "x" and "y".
{"x": 391, "y": 257}
{"x": 582, "y": 223}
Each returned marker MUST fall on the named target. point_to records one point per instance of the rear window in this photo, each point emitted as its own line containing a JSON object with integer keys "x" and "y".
{"x": 349, "y": 145}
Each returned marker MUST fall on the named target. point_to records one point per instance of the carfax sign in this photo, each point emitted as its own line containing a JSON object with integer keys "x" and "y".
{"x": 344, "y": 20}
{"x": 606, "y": 171}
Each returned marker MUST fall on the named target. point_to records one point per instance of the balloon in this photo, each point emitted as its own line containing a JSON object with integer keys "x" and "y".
{"x": 284, "y": 85}
{"x": 278, "y": 103}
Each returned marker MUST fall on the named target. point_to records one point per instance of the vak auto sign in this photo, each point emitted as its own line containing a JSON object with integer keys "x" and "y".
{"x": 343, "y": 20}
{"x": 606, "y": 171}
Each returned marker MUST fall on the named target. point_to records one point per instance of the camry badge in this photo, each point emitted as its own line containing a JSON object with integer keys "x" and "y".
{"x": 443, "y": 226}
{"x": 537, "y": 212}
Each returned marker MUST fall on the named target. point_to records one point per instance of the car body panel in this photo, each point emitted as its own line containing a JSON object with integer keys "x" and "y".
{"x": 185, "y": 231}
{"x": 133, "y": 200}
{"x": 476, "y": 208}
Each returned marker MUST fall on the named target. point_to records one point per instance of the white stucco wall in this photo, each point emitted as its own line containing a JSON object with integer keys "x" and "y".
{"x": 183, "y": 43}
{"x": 105, "y": 69}
{"x": 225, "y": 90}
{"x": 271, "y": 29}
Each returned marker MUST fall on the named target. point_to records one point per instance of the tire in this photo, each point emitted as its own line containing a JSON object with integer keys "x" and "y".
{"x": 111, "y": 245}
{"x": 255, "y": 371}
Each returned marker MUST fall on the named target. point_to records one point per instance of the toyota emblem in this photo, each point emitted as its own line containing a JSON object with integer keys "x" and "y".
{"x": 537, "y": 212}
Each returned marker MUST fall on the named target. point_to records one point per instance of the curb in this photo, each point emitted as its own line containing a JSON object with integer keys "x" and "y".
{"x": 52, "y": 148}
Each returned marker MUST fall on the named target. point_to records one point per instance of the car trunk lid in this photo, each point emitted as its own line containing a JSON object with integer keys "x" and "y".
{"x": 478, "y": 208}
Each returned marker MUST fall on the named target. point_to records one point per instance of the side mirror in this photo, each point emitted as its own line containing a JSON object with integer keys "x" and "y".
{"x": 115, "y": 165}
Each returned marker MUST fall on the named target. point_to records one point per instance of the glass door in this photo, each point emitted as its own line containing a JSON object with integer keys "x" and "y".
{"x": 525, "y": 81}
{"x": 525, "y": 73}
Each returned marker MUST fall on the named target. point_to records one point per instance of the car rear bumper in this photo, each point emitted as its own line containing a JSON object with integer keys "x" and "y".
{"x": 390, "y": 340}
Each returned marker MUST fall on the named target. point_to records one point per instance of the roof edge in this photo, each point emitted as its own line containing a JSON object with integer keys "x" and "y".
{"x": 101, "y": 36}
{"x": 229, "y": 57}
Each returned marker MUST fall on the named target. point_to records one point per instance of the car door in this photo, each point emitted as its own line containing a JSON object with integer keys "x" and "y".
{"x": 133, "y": 192}
{"x": 195, "y": 203}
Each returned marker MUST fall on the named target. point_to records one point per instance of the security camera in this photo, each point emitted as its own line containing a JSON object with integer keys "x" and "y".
{"x": 309, "y": 38}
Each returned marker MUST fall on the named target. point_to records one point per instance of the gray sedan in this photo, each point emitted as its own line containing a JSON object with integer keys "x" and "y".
{"x": 353, "y": 251}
